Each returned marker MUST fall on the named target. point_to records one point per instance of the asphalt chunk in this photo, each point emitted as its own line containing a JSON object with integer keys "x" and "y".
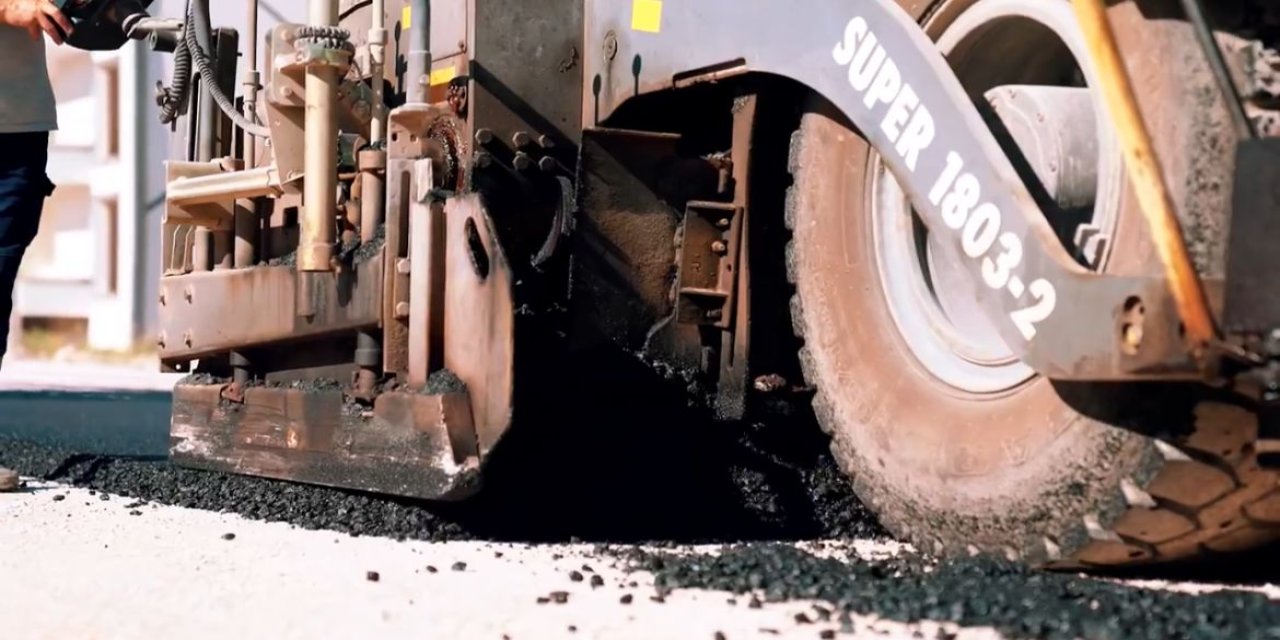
{"x": 597, "y": 581}
{"x": 575, "y": 576}
{"x": 626, "y": 598}
{"x": 372, "y": 576}
{"x": 59, "y": 497}
{"x": 228, "y": 536}
{"x": 975, "y": 592}
{"x": 560, "y": 597}
{"x": 431, "y": 569}
{"x": 459, "y": 566}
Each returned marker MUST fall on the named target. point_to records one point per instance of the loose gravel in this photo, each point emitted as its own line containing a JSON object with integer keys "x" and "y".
{"x": 980, "y": 592}
{"x": 654, "y": 475}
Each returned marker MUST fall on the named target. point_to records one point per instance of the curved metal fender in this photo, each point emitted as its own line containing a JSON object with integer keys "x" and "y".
{"x": 872, "y": 61}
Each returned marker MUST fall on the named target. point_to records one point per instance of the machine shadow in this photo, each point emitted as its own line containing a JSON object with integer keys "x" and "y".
{"x": 616, "y": 453}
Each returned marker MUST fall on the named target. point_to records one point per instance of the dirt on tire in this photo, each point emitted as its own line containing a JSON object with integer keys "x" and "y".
{"x": 1057, "y": 474}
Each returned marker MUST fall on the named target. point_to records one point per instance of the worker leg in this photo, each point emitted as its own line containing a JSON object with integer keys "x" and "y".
{"x": 24, "y": 185}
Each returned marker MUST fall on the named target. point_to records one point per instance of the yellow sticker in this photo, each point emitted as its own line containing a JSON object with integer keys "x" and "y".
{"x": 443, "y": 76}
{"x": 406, "y": 17}
{"x": 646, "y": 15}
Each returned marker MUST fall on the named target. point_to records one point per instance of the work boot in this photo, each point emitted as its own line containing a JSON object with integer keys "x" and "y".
{"x": 8, "y": 480}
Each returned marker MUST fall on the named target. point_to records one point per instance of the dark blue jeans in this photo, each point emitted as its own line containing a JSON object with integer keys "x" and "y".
{"x": 24, "y": 185}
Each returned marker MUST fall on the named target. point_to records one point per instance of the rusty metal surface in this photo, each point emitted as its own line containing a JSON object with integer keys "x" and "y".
{"x": 479, "y": 315}
{"x": 210, "y": 312}
{"x": 709, "y": 252}
{"x": 413, "y": 445}
{"x": 428, "y": 246}
{"x": 283, "y": 102}
{"x": 735, "y": 345}
{"x": 430, "y": 131}
{"x": 526, "y": 74}
{"x": 1059, "y": 318}
{"x": 395, "y": 279}
{"x": 624, "y": 256}
{"x": 1253, "y": 264}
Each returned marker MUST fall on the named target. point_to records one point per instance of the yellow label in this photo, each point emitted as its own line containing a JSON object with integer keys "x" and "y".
{"x": 406, "y": 17}
{"x": 646, "y": 15}
{"x": 443, "y": 76}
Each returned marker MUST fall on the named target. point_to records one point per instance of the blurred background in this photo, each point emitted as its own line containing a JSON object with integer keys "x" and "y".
{"x": 87, "y": 289}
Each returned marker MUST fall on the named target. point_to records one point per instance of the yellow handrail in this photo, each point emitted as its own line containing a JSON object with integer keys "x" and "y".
{"x": 1145, "y": 174}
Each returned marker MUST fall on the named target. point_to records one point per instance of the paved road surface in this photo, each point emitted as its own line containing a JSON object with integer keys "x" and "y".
{"x": 81, "y": 567}
{"x": 75, "y": 565}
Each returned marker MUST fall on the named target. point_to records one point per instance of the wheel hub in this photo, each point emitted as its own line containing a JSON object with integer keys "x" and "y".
{"x": 1027, "y": 59}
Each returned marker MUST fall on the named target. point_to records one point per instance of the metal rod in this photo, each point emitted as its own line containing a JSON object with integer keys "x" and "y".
{"x": 246, "y": 211}
{"x": 240, "y": 368}
{"x": 368, "y": 358}
{"x": 1204, "y": 33}
{"x": 251, "y": 82}
{"x": 201, "y": 247}
{"x": 419, "y": 58}
{"x": 207, "y": 124}
{"x": 377, "y": 70}
{"x": 318, "y": 224}
{"x": 221, "y": 187}
{"x": 1145, "y": 174}
{"x": 223, "y": 256}
{"x": 373, "y": 192}
{"x": 246, "y": 230}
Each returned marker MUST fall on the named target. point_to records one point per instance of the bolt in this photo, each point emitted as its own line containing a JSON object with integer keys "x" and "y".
{"x": 188, "y": 294}
{"x": 521, "y": 139}
{"x": 719, "y": 247}
{"x": 610, "y": 46}
{"x": 160, "y": 341}
{"x": 522, "y": 161}
{"x": 723, "y": 223}
{"x": 462, "y": 46}
{"x": 484, "y": 159}
{"x": 186, "y": 338}
{"x": 715, "y": 314}
{"x": 403, "y": 266}
{"x": 402, "y": 309}
{"x": 546, "y": 142}
{"x": 547, "y": 163}
{"x": 163, "y": 298}
{"x": 484, "y": 136}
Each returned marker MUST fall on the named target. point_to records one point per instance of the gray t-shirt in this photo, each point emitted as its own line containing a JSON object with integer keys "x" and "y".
{"x": 26, "y": 95}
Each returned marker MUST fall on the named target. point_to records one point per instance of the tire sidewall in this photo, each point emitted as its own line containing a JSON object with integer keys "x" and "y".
{"x": 942, "y": 467}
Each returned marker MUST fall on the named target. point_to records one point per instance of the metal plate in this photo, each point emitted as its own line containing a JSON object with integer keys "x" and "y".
{"x": 211, "y": 312}
{"x": 412, "y": 445}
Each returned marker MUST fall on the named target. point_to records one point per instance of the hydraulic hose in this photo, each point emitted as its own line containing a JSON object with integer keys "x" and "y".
{"x": 173, "y": 97}
{"x": 198, "y": 18}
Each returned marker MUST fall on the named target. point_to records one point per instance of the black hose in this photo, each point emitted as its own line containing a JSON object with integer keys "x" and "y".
{"x": 173, "y": 97}
{"x": 197, "y": 18}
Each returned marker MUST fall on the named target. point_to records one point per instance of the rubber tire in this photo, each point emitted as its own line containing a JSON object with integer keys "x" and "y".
{"x": 1048, "y": 474}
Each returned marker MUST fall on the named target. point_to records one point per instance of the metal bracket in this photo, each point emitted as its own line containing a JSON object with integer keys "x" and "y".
{"x": 708, "y": 264}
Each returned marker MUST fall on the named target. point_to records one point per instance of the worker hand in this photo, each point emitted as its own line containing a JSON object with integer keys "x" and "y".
{"x": 35, "y": 16}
